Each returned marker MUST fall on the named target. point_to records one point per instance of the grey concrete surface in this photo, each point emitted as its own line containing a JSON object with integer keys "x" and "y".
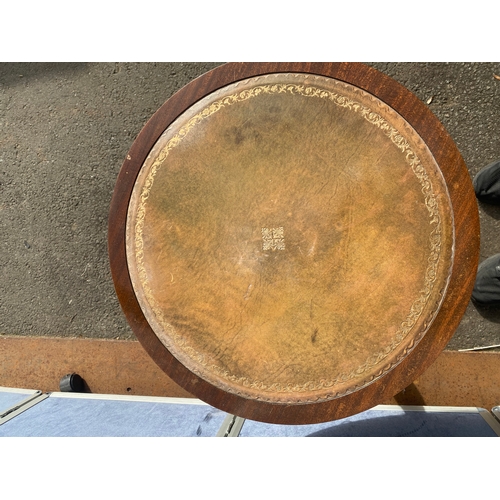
{"x": 65, "y": 130}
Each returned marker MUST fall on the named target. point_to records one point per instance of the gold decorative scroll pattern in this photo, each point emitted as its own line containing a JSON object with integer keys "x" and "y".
{"x": 417, "y": 307}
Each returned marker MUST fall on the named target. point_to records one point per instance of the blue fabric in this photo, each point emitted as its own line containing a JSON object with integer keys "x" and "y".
{"x": 73, "y": 417}
{"x": 68, "y": 417}
{"x": 381, "y": 423}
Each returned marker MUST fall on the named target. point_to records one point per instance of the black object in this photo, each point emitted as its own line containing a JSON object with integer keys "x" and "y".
{"x": 487, "y": 184}
{"x": 486, "y": 290}
{"x": 71, "y": 383}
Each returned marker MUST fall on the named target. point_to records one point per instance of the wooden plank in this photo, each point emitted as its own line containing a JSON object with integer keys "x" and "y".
{"x": 123, "y": 367}
{"x": 456, "y": 379}
{"x": 107, "y": 366}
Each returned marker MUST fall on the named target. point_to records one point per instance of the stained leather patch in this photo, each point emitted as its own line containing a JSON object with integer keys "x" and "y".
{"x": 290, "y": 238}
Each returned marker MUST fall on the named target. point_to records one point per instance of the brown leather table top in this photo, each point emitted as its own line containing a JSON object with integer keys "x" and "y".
{"x": 289, "y": 239}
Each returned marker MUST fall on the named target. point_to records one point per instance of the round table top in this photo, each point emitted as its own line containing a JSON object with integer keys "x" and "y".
{"x": 287, "y": 242}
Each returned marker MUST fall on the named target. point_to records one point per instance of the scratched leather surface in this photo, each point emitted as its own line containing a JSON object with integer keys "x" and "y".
{"x": 284, "y": 243}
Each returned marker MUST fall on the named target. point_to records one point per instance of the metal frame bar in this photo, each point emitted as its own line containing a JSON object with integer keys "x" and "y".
{"x": 122, "y": 397}
{"x": 231, "y": 426}
{"x": 496, "y": 412}
{"x": 22, "y": 406}
{"x": 490, "y": 420}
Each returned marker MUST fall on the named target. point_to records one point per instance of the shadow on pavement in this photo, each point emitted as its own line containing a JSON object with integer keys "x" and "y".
{"x": 491, "y": 313}
{"x": 492, "y": 210}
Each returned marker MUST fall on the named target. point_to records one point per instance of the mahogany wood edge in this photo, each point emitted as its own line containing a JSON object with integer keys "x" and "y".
{"x": 453, "y": 306}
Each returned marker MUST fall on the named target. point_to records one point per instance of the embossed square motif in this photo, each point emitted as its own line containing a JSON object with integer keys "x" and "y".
{"x": 273, "y": 238}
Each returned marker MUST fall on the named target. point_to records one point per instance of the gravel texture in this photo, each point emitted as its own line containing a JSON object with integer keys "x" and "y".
{"x": 65, "y": 131}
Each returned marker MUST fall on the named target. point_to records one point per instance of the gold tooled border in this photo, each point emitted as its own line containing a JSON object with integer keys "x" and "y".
{"x": 416, "y": 308}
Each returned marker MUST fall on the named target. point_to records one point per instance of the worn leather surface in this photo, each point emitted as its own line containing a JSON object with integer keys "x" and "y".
{"x": 289, "y": 239}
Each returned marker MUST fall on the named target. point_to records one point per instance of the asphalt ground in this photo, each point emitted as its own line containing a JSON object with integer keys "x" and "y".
{"x": 65, "y": 129}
